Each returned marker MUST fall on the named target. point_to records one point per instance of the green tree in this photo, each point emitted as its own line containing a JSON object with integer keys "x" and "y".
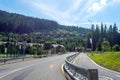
{"x": 102, "y": 33}
{"x": 105, "y": 31}
{"x": 1, "y": 37}
{"x": 62, "y": 50}
{"x": 96, "y": 37}
{"x": 81, "y": 48}
{"x": 99, "y": 45}
{"x": 40, "y": 50}
{"x": 115, "y": 34}
{"x": 29, "y": 50}
{"x": 116, "y": 47}
{"x": 110, "y": 35}
{"x": 105, "y": 45}
{"x": 2, "y": 48}
{"x": 30, "y": 40}
{"x": 53, "y": 50}
{"x": 34, "y": 50}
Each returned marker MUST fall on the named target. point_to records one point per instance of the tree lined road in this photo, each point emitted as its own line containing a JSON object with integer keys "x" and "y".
{"x": 85, "y": 62}
{"x": 39, "y": 69}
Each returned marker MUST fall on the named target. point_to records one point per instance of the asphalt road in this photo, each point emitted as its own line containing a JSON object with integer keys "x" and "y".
{"x": 104, "y": 74}
{"x": 39, "y": 69}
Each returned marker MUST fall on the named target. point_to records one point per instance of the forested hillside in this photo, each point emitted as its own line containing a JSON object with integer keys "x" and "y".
{"x": 11, "y": 22}
{"x": 16, "y": 23}
{"x": 104, "y": 37}
{"x": 75, "y": 29}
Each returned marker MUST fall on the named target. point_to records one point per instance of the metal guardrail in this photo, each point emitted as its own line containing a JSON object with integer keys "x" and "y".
{"x": 7, "y": 59}
{"x": 4, "y": 60}
{"x": 77, "y": 73}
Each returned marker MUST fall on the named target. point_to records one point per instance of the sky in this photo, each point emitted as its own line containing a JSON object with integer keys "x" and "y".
{"x": 81, "y": 13}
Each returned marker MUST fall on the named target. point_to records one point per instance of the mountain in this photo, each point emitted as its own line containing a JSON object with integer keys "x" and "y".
{"x": 16, "y": 23}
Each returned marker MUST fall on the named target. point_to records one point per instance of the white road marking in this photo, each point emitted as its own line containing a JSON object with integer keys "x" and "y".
{"x": 15, "y": 70}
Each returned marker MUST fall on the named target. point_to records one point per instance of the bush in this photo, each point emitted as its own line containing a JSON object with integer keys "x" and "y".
{"x": 29, "y": 50}
{"x": 62, "y": 50}
{"x": 81, "y": 48}
{"x": 106, "y": 46}
{"x": 53, "y": 50}
{"x": 116, "y": 47}
{"x": 40, "y": 50}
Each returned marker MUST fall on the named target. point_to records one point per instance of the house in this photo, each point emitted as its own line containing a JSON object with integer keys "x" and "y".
{"x": 47, "y": 46}
{"x": 58, "y": 47}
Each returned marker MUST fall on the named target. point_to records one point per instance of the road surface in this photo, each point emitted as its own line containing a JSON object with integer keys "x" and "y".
{"x": 104, "y": 74}
{"x": 40, "y": 69}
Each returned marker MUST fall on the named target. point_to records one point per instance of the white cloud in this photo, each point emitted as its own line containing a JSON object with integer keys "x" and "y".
{"x": 96, "y": 6}
{"x": 85, "y": 7}
{"x": 74, "y": 14}
{"x": 103, "y": 2}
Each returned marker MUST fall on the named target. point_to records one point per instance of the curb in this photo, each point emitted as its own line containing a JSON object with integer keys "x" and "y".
{"x": 103, "y": 67}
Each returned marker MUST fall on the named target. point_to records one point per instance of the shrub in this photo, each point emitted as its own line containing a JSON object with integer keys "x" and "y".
{"x": 105, "y": 45}
{"x": 116, "y": 47}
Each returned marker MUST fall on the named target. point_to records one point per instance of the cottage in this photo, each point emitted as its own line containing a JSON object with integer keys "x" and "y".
{"x": 47, "y": 46}
{"x": 58, "y": 47}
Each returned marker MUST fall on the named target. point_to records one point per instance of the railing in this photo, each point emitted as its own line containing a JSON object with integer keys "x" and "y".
{"x": 21, "y": 58}
{"x": 76, "y": 73}
{"x": 8, "y": 59}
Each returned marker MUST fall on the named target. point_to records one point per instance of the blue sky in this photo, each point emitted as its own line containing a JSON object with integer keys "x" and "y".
{"x": 67, "y": 12}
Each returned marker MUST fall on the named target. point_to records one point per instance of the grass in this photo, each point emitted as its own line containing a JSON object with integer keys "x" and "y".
{"x": 2, "y": 55}
{"x": 110, "y": 60}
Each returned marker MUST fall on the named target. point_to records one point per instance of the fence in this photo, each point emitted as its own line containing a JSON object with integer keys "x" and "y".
{"x": 76, "y": 73}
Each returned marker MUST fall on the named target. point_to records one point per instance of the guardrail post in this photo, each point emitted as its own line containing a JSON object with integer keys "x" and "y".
{"x": 92, "y": 74}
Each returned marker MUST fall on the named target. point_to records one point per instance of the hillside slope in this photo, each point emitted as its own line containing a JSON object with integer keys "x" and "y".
{"x": 12, "y": 22}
